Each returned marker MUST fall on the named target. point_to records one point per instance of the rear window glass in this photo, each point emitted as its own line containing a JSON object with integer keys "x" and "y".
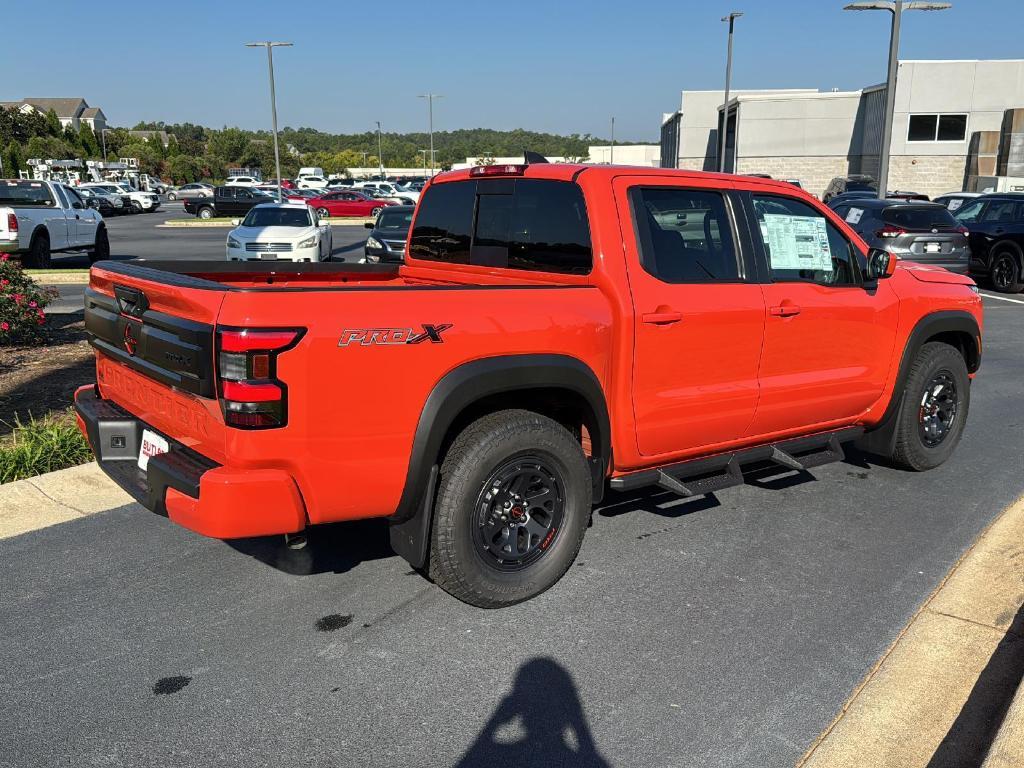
{"x": 528, "y": 224}
{"x": 25, "y": 193}
{"x": 913, "y": 217}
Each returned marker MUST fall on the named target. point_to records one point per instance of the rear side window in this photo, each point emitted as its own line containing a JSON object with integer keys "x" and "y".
{"x": 684, "y": 235}
{"x": 528, "y": 224}
{"x": 1003, "y": 210}
{"x": 914, "y": 217}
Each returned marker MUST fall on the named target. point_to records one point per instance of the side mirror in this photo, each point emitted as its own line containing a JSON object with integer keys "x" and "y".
{"x": 881, "y": 264}
{"x": 77, "y": 205}
{"x": 235, "y": 222}
{"x": 368, "y": 224}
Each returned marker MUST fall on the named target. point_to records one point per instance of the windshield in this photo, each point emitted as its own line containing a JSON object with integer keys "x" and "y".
{"x": 394, "y": 221}
{"x": 277, "y": 217}
{"x": 915, "y": 217}
{"x": 25, "y": 193}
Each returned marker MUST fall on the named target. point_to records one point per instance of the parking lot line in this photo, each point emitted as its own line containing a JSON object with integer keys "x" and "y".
{"x": 1002, "y": 298}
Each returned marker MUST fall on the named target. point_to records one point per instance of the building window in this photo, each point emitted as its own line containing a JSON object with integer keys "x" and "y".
{"x": 937, "y": 128}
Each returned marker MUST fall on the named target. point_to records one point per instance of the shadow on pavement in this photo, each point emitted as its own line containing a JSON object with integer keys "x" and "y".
{"x": 331, "y": 548}
{"x": 974, "y": 729}
{"x": 540, "y": 723}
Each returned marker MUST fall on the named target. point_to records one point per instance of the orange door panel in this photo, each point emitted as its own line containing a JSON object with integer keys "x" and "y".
{"x": 696, "y": 345}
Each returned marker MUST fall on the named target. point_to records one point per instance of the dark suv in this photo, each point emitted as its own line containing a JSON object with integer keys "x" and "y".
{"x": 923, "y": 232}
{"x": 852, "y": 183}
{"x": 996, "y": 224}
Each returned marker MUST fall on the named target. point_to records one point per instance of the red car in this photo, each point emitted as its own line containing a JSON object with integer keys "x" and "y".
{"x": 285, "y": 183}
{"x": 347, "y": 202}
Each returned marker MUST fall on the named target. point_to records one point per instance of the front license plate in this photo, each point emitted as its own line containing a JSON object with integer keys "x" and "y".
{"x": 152, "y": 445}
{"x": 932, "y": 247}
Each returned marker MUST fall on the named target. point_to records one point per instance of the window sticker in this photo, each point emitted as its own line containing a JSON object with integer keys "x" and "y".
{"x": 798, "y": 242}
{"x": 955, "y": 203}
{"x": 853, "y": 215}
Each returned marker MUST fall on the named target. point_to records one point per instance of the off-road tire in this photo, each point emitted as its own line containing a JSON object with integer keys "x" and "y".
{"x": 456, "y": 564}
{"x": 911, "y": 451}
{"x": 1006, "y": 269}
{"x": 101, "y": 250}
{"x": 38, "y": 256}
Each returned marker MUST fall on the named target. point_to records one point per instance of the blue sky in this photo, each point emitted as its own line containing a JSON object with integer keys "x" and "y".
{"x": 555, "y": 66}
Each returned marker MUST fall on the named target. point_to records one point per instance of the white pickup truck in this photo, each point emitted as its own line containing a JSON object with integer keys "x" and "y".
{"x": 38, "y": 218}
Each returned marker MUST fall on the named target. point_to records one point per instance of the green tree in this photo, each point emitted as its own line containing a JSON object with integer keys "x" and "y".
{"x": 229, "y": 144}
{"x": 53, "y": 126}
{"x": 87, "y": 141}
{"x": 183, "y": 169}
{"x": 49, "y": 148}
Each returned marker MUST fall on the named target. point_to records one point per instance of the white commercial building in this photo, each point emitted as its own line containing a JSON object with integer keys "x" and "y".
{"x": 952, "y": 122}
{"x": 647, "y": 155}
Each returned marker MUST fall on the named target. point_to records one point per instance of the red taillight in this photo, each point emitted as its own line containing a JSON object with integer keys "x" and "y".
{"x": 251, "y": 395}
{"x": 963, "y": 230}
{"x": 497, "y": 170}
{"x": 12, "y": 222}
{"x": 890, "y": 232}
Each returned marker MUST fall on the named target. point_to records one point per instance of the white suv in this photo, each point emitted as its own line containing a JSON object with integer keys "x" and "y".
{"x": 311, "y": 182}
{"x": 140, "y": 201}
{"x": 393, "y": 191}
{"x": 241, "y": 181}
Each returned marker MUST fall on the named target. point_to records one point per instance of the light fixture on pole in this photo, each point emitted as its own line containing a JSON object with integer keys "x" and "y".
{"x": 270, "y": 46}
{"x": 731, "y": 18}
{"x": 896, "y": 8}
{"x": 430, "y": 112}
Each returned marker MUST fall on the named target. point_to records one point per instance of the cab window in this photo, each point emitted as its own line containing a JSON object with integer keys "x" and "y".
{"x": 684, "y": 235}
{"x": 801, "y": 244}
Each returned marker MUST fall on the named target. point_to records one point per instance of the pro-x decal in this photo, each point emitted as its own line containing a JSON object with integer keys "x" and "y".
{"x": 388, "y": 336}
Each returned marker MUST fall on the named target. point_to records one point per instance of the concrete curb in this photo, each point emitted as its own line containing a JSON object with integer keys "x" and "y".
{"x": 56, "y": 497}
{"x": 939, "y": 688}
{"x": 187, "y": 223}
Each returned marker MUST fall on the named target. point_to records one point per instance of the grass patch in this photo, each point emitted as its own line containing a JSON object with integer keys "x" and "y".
{"x": 42, "y": 445}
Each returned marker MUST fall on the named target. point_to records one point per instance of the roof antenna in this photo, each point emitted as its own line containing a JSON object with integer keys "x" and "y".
{"x": 533, "y": 157}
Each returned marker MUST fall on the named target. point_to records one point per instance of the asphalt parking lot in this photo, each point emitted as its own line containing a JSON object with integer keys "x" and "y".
{"x": 719, "y": 631}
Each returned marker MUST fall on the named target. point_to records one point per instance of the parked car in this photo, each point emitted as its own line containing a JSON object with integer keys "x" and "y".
{"x": 923, "y": 232}
{"x": 391, "y": 191}
{"x": 242, "y": 181}
{"x": 334, "y": 183}
{"x": 347, "y": 202}
{"x": 313, "y": 170}
{"x": 303, "y": 194}
{"x": 873, "y": 195}
{"x": 280, "y": 232}
{"x": 285, "y": 183}
{"x": 311, "y": 182}
{"x": 526, "y": 366}
{"x": 954, "y": 200}
{"x": 226, "y": 201}
{"x": 996, "y": 224}
{"x": 187, "y": 191}
{"x": 386, "y": 243}
{"x": 851, "y": 183}
{"x": 39, "y": 218}
{"x": 141, "y": 201}
{"x": 106, "y": 204}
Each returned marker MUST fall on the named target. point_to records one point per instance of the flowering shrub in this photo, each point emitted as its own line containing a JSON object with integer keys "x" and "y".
{"x": 22, "y": 320}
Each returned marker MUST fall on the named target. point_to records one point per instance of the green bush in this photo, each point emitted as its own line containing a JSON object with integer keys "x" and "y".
{"x": 42, "y": 445}
{"x": 22, "y": 320}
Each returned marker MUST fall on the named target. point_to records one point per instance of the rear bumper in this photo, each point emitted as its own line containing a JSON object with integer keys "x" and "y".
{"x": 189, "y": 488}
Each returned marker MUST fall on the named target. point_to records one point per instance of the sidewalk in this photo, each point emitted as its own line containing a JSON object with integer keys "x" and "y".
{"x": 937, "y": 697}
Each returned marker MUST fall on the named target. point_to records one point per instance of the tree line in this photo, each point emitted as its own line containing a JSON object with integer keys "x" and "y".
{"x": 197, "y": 153}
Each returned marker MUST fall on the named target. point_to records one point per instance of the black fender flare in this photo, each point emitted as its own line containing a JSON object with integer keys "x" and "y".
{"x": 881, "y": 437}
{"x": 461, "y": 388}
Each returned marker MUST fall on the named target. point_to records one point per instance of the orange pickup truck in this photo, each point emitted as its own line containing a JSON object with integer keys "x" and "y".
{"x": 555, "y": 330}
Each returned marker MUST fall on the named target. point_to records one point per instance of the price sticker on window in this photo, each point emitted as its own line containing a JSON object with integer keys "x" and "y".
{"x": 798, "y": 242}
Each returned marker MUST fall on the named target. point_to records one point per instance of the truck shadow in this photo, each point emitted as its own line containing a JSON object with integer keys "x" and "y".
{"x": 539, "y": 723}
{"x": 330, "y": 548}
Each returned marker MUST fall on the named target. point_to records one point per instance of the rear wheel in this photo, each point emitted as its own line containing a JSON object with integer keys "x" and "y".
{"x": 512, "y": 507}
{"x": 206, "y": 212}
{"x": 376, "y": 212}
{"x": 172, "y": 196}
{"x": 38, "y": 256}
{"x": 936, "y": 400}
{"x": 1006, "y": 270}
{"x": 323, "y": 213}
{"x": 101, "y": 250}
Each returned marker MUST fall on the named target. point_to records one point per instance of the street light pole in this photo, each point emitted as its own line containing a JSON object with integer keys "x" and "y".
{"x": 270, "y": 46}
{"x": 380, "y": 152}
{"x": 103, "y": 138}
{"x": 896, "y": 8}
{"x": 424, "y": 153}
{"x": 731, "y": 18}
{"x": 430, "y": 112}
{"x": 611, "y": 149}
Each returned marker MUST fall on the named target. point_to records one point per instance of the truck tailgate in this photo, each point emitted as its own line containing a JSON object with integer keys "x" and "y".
{"x": 154, "y": 342}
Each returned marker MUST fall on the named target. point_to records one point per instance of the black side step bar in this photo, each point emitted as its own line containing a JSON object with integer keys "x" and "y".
{"x": 701, "y": 476}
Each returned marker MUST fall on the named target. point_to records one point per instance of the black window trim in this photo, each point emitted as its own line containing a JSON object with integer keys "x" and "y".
{"x": 761, "y": 252}
{"x": 746, "y": 268}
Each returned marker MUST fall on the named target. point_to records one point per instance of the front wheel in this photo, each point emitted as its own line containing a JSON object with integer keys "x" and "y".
{"x": 936, "y": 399}
{"x": 101, "y": 250}
{"x": 1006, "y": 273}
{"x": 172, "y": 196}
{"x": 513, "y": 503}
{"x": 376, "y": 212}
{"x": 206, "y": 213}
{"x": 323, "y": 213}
{"x": 136, "y": 207}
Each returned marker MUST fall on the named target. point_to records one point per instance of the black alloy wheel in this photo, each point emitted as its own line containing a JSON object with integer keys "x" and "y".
{"x": 519, "y": 512}
{"x": 938, "y": 408}
{"x": 1005, "y": 274}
